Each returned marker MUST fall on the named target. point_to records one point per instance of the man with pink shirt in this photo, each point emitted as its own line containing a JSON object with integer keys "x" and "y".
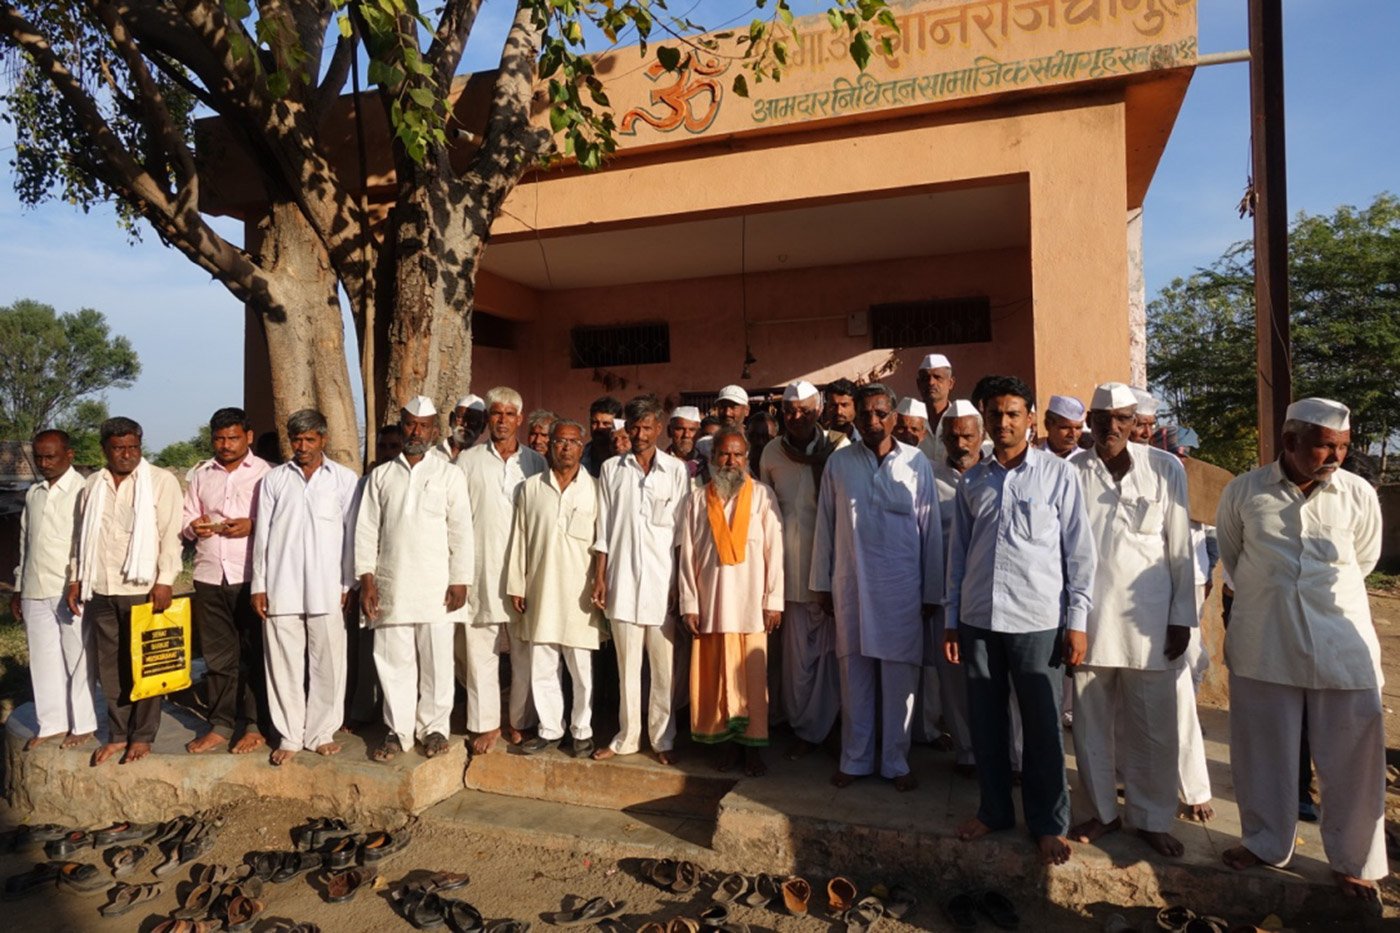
{"x": 220, "y": 506}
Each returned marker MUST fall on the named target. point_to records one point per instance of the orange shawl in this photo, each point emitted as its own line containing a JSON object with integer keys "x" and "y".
{"x": 729, "y": 539}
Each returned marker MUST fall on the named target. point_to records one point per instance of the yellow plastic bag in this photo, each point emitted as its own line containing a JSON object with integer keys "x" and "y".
{"x": 160, "y": 649}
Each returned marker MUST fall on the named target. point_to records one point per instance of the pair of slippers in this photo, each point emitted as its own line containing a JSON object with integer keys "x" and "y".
{"x": 671, "y": 875}
{"x": 315, "y": 832}
{"x": 590, "y": 912}
{"x": 184, "y": 839}
{"x": 211, "y": 900}
{"x": 74, "y": 840}
{"x": 126, "y": 897}
{"x": 76, "y": 877}
{"x": 759, "y": 891}
{"x": 367, "y": 849}
{"x": 427, "y": 909}
{"x": 239, "y": 917}
{"x": 964, "y": 908}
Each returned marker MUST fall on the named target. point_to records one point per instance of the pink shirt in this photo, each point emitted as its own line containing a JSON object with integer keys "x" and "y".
{"x": 222, "y": 494}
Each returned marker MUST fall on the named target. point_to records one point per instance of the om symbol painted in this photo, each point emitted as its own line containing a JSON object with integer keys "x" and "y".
{"x": 695, "y": 86}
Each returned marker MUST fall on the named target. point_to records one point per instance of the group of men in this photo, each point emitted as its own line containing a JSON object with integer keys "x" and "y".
{"x": 920, "y": 565}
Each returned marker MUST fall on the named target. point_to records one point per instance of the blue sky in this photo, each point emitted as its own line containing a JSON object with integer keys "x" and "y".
{"x": 1341, "y": 80}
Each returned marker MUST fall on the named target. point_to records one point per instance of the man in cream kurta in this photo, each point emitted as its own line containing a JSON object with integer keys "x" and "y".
{"x": 1298, "y": 537}
{"x": 61, "y": 660}
{"x": 877, "y": 555}
{"x": 792, "y": 466}
{"x": 550, "y": 582}
{"x": 1143, "y": 616}
{"x": 494, "y": 471}
{"x": 730, "y": 577}
{"x": 413, "y": 556}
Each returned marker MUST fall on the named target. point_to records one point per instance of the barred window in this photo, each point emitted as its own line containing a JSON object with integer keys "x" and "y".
{"x": 930, "y": 323}
{"x": 620, "y": 345}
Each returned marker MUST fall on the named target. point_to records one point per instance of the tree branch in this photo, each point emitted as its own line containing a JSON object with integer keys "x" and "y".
{"x": 450, "y": 41}
{"x": 336, "y": 74}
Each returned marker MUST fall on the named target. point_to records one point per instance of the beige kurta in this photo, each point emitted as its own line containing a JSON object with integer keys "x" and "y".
{"x": 550, "y": 562}
{"x": 492, "y": 482}
{"x": 795, "y": 487}
{"x": 119, "y": 519}
{"x": 731, "y": 598}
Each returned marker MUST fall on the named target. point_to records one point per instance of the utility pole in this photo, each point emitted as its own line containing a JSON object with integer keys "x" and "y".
{"x": 1275, "y": 382}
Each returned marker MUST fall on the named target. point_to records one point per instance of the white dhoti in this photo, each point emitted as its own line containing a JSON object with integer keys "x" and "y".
{"x": 548, "y": 691}
{"x": 304, "y": 656}
{"x": 871, "y": 688}
{"x": 62, "y": 668}
{"x": 1347, "y": 736}
{"x": 1143, "y": 749}
{"x": 811, "y": 687}
{"x": 483, "y": 646}
{"x": 680, "y": 669}
{"x": 1191, "y": 746}
{"x": 658, "y": 644}
{"x": 415, "y": 676}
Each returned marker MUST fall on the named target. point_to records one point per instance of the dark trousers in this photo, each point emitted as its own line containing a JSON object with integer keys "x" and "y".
{"x": 995, "y": 661}
{"x": 231, "y": 639}
{"x": 110, "y": 618}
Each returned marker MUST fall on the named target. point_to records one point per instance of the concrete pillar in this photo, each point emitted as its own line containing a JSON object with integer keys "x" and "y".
{"x": 1137, "y": 302}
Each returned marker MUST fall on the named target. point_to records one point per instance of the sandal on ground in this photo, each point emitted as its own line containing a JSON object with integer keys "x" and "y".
{"x": 660, "y": 872}
{"x": 125, "y": 831}
{"x": 762, "y": 891}
{"x": 342, "y": 886}
{"x": 687, "y": 877}
{"x": 961, "y": 911}
{"x": 446, "y": 881}
{"x": 463, "y": 917}
{"x": 197, "y": 902}
{"x": 342, "y": 851}
{"x": 864, "y": 915}
{"x": 716, "y": 915}
{"x": 317, "y": 831}
{"x": 389, "y": 749}
{"x": 840, "y": 894}
{"x": 65, "y": 845}
{"x": 80, "y": 878}
{"x": 127, "y": 896}
{"x": 380, "y": 845}
{"x": 1174, "y": 919}
{"x": 590, "y": 911}
{"x": 731, "y": 888}
{"x": 241, "y": 912}
{"x": 42, "y": 875}
{"x": 295, "y": 863}
{"x": 124, "y": 859}
{"x": 796, "y": 893}
{"x": 997, "y": 907}
{"x": 424, "y": 909}
{"x": 263, "y": 865}
{"x": 507, "y": 926}
{"x": 900, "y": 902}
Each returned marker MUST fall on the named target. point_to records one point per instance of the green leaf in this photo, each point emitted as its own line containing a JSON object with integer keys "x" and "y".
{"x": 343, "y": 21}
{"x": 423, "y": 97}
{"x": 668, "y": 56}
{"x": 860, "y": 50}
{"x": 238, "y": 9}
{"x": 278, "y": 84}
{"x": 558, "y": 119}
{"x": 741, "y": 86}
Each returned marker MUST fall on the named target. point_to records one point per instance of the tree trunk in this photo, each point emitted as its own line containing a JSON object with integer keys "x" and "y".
{"x": 301, "y": 316}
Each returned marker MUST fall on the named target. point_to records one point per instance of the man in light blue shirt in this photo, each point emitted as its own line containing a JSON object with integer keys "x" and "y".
{"x": 1020, "y": 550}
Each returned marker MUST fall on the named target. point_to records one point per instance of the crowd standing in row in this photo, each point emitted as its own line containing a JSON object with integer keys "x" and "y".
{"x": 915, "y": 569}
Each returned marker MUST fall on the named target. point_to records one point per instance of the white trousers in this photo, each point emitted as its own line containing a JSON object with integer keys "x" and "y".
{"x": 811, "y": 684}
{"x": 1191, "y": 746}
{"x": 548, "y": 691}
{"x": 304, "y": 656}
{"x": 1142, "y": 749}
{"x": 414, "y": 663}
{"x": 484, "y": 645}
{"x": 62, "y": 667}
{"x": 875, "y": 694}
{"x": 658, "y": 643}
{"x": 1346, "y": 731}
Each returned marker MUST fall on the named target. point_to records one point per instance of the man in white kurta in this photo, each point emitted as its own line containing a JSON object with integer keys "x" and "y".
{"x": 1143, "y": 616}
{"x": 299, "y": 582}
{"x": 413, "y": 557}
{"x": 494, "y": 472}
{"x": 550, "y": 582}
{"x": 877, "y": 555}
{"x": 730, "y": 579}
{"x": 1298, "y": 537}
{"x": 62, "y": 664}
{"x": 639, "y": 503}
{"x": 792, "y": 466}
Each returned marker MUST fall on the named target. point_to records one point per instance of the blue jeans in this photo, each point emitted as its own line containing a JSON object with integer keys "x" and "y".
{"x": 1030, "y": 661}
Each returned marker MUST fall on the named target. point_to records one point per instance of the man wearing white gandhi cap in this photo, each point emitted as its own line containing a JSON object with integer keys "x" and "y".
{"x": 935, "y": 384}
{"x": 1064, "y": 422}
{"x": 910, "y": 421}
{"x": 1298, "y": 537}
{"x": 1146, "y": 412}
{"x": 465, "y": 424}
{"x": 731, "y": 408}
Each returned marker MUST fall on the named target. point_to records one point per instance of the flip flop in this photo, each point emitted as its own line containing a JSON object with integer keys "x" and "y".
{"x": 125, "y": 831}
{"x": 197, "y": 842}
{"x": 127, "y": 896}
{"x": 590, "y": 911}
{"x": 220, "y": 874}
{"x": 40, "y": 876}
{"x": 900, "y": 901}
{"x": 660, "y": 872}
{"x": 424, "y": 909}
{"x": 295, "y": 863}
{"x": 1173, "y": 919}
{"x": 463, "y": 917}
{"x": 446, "y": 881}
{"x": 341, "y": 851}
{"x": 170, "y": 830}
{"x": 241, "y": 913}
{"x": 263, "y": 865}
{"x": 962, "y": 911}
{"x": 864, "y": 915}
{"x": 716, "y": 915}
{"x": 80, "y": 877}
{"x": 381, "y": 845}
{"x": 765, "y": 891}
{"x": 796, "y": 893}
{"x": 197, "y": 902}
{"x": 731, "y": 888}
{"x": 342, "y": 886}
{"x": 124, "y": 859}
{"x": 65, "y": 845}
{"x": 997, "y": 907}
{"x": 687, "y": 877}
{"x": 840, "y": 894}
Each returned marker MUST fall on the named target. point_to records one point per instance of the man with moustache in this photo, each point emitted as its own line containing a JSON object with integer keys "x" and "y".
{"x": 911, "y": 422}
{"x": 537, "y": 425}
{"x": 602, "y": 415}
{"x": 1064, "y": 424}
{"x": 683, "y": 428}
{"x": 732, "y": 409}
{"x": 465, "y": 424}
{"x": 1146, "y": 413}
{"x": 935, "y": 383}
{"x": 839, "y": 414}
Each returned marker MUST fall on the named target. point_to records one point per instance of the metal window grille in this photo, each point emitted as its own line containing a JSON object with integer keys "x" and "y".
{"x": 621, "y": 345}
{"x": 930, "y": 323}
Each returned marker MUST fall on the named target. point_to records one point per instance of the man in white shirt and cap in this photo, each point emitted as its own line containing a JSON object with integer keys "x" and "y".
{"x": 683, "y": 428}
{"x": 935, "y": 382}
{"x": 550, "y": 582}
{"x": 911, "y": 422}
{"x": 1064, "y": 424}
{"x": 494, "y": 472}
{"x": 1298, "y": 537}
{"x": 1141, "y": 620}
{"x": 1146, "y": 414}
{"x": 793, "y": 465}
{"x": 877, "y": 564}
{"x": 639, "y": 503}
{"x": 465, "y": 424}
{"x": 731, "y": 408}
{"x": 413, "y": 557}
{"x": 299, "y": 586}
{"x": 61, "y": 659}
{"x": 128, "y": 553}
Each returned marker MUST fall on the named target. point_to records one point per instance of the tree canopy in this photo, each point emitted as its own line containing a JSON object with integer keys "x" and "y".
{"x": 1344, "y": 285}
{"x": 53, "y": 363}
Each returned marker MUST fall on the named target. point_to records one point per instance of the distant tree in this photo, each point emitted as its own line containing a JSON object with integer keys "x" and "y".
{"x": 82, "y": 426}
{"x": 53, "y": 362}
{"x": 184, "y": 454}
{"x": 1344, "y": 278}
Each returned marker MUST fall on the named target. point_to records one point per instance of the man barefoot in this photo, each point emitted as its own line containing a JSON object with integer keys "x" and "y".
{"x": 1198, "y": 812}
{"x": 1054, "y": 850}
{"x": 37, "y": 740}
{"x": 135, "y": 751}
{"x": 328, "y": 749}
{"x": 107, "y": 751}
{"x": 1094, "y": 828}
{"x": 248, "y": 742}
{"x": 483, "y": 742}
{"x": 281, "y": 756}
{"x": 206, "y": 742}
{"x": 76, "y": 740}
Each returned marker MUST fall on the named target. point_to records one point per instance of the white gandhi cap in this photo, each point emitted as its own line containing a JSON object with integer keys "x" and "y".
{"x": 935, "y": 361}
{"x": 471, "y": 401}
{"x": 912, "y": 408}
{"x": 619, "y": 424}
{"x": 1067, "y": 407}
{"x": 1113, "y": 395}
{"x": 1322, "y": 412}
{"x": 686, "y": 413}
{"x": 799, "y": 391}
{"x": 1146, "y": 404}
{"x": 736, "y": 394}
{"x": 420, "y": 406}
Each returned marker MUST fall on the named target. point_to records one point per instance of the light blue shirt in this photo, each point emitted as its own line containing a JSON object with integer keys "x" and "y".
{"x": 1021, "y": 548}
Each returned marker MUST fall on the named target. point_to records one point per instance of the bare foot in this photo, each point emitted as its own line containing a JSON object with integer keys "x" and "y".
{"x": 1240, "y": 858}
{"x": 281, "y": 756}
{"x": 1356, "y": 887}
{"x": 728, "y": 758}
{"x": 1054, "y": 850}
{"x": 483, "y": 742}
{"x": 972, "y": 829}
{"x": 667, "y": 757}
{"x": 1198, "y": 812}
{"x": 38, "y": 740}
{"x": 1093, "y": 828}
{"x": 107, "y": 751}
{"x": 800, "y": 748}
{"x": 513, "y": 735}
{"x": 603, "y": 753}
{"x": 1164, "y": 843}
{"x": 207, "y": 741}
{"x": 135, "y": 751}
{"x": 754, "y": 765}
{"x": 842, "y": 779}
{"x": 74, "y": 741}
{"x": 328, "y": 749}
{"x": 906, "y": 782}
{"x": 248, "y": 742}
